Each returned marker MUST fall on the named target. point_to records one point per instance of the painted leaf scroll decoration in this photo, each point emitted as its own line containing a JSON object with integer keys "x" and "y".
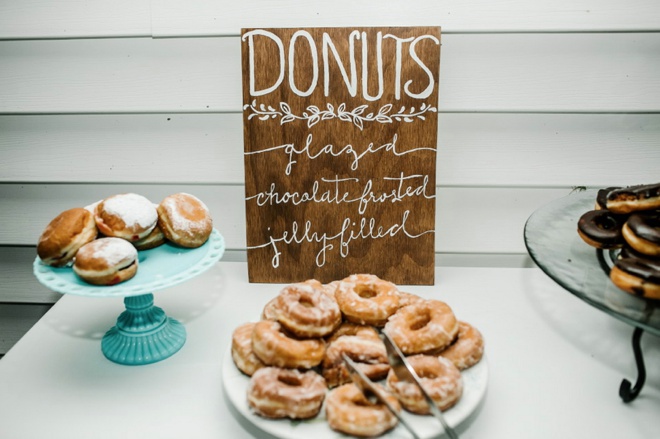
{"x": 314, "y": 115}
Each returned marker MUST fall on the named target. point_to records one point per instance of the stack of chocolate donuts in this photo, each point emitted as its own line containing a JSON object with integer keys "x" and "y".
{"x": 102, "y": 239}
{"x": 628, "y": 219}
{"x": 294, "y": 354}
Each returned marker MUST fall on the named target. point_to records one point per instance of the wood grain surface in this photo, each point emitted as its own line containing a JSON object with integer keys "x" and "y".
{"x": 340, "y": 135}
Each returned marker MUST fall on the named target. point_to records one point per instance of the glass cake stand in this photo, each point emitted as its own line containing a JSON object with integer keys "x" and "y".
{"x": 553, "y": 243}
{"x": 143, "y": 333}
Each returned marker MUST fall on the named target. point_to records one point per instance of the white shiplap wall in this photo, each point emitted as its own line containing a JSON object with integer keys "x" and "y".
{"x": 101, "y": 97}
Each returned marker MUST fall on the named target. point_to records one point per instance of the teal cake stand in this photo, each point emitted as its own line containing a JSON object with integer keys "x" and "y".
{"x": 143, "y": 333}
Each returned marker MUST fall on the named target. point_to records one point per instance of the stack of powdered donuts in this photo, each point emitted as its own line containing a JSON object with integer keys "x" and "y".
{"x": 102, "y": 239}
{"x": 628, "y": 219}
{"x": 294, "y": 354}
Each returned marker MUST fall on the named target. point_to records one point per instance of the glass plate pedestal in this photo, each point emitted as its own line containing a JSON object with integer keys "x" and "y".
{"x": 553, "y": 243}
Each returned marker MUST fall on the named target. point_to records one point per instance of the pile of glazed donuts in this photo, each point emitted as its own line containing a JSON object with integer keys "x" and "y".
{"x": 102, "y": 239}
{"x": 294, "y": 353}
{"x": 628, "y": 219}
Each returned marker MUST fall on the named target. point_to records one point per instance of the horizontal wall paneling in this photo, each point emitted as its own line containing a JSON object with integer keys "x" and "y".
{"x": 593, "y": 72}
{"x": 117, "y": 18}
{"x": 474, "y": 149}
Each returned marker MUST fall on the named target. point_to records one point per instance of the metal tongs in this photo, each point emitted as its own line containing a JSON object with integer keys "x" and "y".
{"x": 404, "y": 371}
{"x": 372, "y": 393}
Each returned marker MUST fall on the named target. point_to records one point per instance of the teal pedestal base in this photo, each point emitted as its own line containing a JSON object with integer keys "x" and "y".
{"x": 143, "y": 334}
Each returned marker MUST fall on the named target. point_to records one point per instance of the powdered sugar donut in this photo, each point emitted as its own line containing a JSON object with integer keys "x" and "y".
{"x": 128, "y": 216}
{"x": 185, "y": 220}
{"x": 154, "y": 239}
{"x": 106, "y": 261}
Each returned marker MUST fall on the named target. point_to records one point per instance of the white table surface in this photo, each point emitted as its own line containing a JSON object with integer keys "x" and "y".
{"x": 555, "y": 364}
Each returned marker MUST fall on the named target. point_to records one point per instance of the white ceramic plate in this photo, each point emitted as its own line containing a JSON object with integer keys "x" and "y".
{"x": 475, "y": 381}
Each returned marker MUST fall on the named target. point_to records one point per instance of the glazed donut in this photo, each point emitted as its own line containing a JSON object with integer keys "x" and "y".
{"x": 64, "y": 235}
{"x": 634, "y": 198}
{"x": 422, "y": 327}
{"x": 241, "y": 350}
{"x": 154, "y": 239}
{"x": 275, "y": 348}
{"x": 128, "y": 216}
{"x": 637, "y": 274}
{"x": 366, "y": 299}
{"x": 601, "y": 229}
{"x": 286, "y": 393}
{"x": 406, "y": 299}
{"x": 106, "y": 261}
{"x": 305, "y": 310}
{"x": 348, "y": 328}
{"x": 439, "y": 377}
{"x": 365, "y": 349}
{"x": 642, "y": 232}
{"x": 468, "y": 348}
{"x": 269, "y": 311}
{"x": 185, "y": 220}
{"x": 331, "y": 287}
{"x": 349, "y": 411}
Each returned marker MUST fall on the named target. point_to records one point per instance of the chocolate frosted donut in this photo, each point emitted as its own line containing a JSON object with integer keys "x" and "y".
{"x": 601, "y": 197}
{"x": 642, "y": 232}
{"x": 601, "y": 229}
{"x": 634, "y": 198}
{"x": 637, "y": 274}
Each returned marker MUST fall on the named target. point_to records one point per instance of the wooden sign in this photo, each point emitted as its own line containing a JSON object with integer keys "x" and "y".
{"x": 340, "y": 132}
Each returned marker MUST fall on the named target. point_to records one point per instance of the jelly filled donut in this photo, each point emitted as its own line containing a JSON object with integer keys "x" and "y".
{"x": 128, "y": 216}
{"x": 440, "y": 379}
{"x": 306, "y": 310}
{"x": 601, "y": 229}
{"x": 637, "y": 274}
{"x": 154, "y": 239}
{"x": 286, "y": 393}
{"x": 468, "y": 348}
{"x": 185, "y": 220}
{"x": 276, "y": 348}
{"x": 241, "y": 350}
{"x": 634, "y": 198}
{"x": 367, "y": 299}
{"x": 106, "y": 261}
{"x": 422, "y": 327}
{"x": 349, "y": 411}
{"x": 64, "y": 235}
{"x": 642, "y": 232}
